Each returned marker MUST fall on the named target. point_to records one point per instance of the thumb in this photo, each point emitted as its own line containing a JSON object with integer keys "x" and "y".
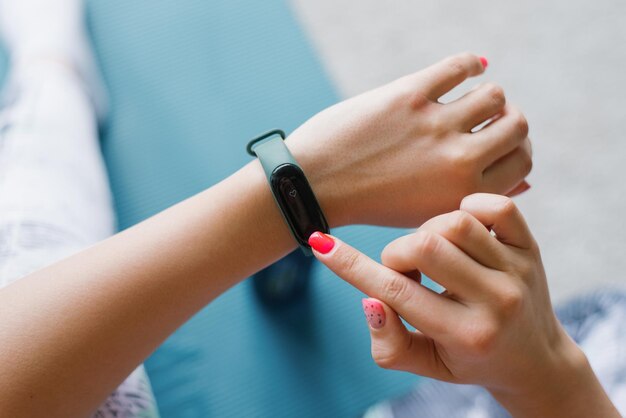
{"x": 395, "y": 347}
{"x": 390, "y": 338}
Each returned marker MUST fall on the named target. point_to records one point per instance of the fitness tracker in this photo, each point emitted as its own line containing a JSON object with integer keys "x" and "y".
{"x": 290, "y": 188}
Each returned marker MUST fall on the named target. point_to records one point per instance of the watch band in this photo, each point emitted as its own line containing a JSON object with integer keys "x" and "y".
{"x": 291, "y": 190}
{"x": 271, "y": 152}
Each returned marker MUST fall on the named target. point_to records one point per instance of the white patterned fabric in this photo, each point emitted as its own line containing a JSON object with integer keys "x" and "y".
{"x": 54, "y": 192}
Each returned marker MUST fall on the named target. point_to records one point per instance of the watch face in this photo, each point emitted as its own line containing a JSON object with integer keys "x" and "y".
{"x": 297, "y": 201}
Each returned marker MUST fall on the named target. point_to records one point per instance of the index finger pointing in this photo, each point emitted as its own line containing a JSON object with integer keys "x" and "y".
{"x": 426, "y": 310}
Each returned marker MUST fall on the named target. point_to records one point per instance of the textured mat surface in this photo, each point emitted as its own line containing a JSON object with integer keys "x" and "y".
{"x": 190, "y": 82}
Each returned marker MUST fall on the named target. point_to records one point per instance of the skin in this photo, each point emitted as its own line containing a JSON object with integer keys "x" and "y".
{"x": 493, "y": 326}
{"x": 71, "y": 332}
{"x": 412, "y": 157}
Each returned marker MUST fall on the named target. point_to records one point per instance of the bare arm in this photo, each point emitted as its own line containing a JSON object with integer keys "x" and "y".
{"x": 92, "y": 318}
{"x": 393, "y": 156}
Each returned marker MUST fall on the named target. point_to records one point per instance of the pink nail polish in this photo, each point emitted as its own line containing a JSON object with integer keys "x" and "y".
{"x": 525, "y": 187}
{"x": 374, "y": 313}
{"x": 321, "y": 242}
{"x": 484, "y": 62}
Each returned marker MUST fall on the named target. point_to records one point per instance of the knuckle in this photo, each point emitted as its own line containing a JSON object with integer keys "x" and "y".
{"x": 418, "y": 101}
{"x": 395, "y": 289}
{"x": 426, "y": 244}
{"x": 438, "y": 124}
{"x": 495, "y": 93}
{"x": 390, "y": 356}
{"x": 506, "y": 207}
{"x": 509, "y": 300}
{"x": 392, "y": 251}
{"x": 481, "y": 338}
{"x": 383, "y": 361}
{"x": 521, "y": 124}
{"x": 525, "y": 270}
{"x": 456, "y": 65}
{"x": 534, "y": 249}
{"x": 386, "y": 359}
{"x": 460, "y": 224}
{"x": 462, "y": 159}
{"x": 526, "y": 164}
{"x": 386, "y": 254}
{"x": 349, "y": 263}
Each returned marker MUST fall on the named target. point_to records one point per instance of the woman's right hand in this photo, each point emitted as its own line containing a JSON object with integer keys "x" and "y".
{"x": 396, "y": 156}
{"x": 493, "y": 326}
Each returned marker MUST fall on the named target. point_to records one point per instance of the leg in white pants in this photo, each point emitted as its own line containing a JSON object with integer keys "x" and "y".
{"x": 54, "y": 192}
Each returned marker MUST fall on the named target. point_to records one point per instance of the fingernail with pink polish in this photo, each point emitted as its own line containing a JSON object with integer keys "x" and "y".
{"x": 374, "y": 313}
{"x": 484, "y": 62}
{"x": 321, "y": 242}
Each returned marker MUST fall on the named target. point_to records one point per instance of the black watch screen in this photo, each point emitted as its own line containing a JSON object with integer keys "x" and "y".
{"x": 297, "y": 202}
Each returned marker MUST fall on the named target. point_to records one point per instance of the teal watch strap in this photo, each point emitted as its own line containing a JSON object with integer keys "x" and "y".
{"x": 271, "y": 150}
{"x": 290, "y": 188}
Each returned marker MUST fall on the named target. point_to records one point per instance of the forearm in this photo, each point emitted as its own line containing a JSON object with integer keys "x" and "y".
{"x": 81, "y": 325}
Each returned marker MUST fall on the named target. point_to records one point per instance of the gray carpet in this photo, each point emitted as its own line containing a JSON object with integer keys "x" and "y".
{"x": 563, "y": 62}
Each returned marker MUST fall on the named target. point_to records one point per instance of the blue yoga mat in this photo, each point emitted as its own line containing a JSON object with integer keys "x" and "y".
{"x": 190, "y": 82}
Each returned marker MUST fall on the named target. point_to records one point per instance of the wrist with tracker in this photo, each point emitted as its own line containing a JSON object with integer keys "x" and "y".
{"x": 292, "y": 192}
